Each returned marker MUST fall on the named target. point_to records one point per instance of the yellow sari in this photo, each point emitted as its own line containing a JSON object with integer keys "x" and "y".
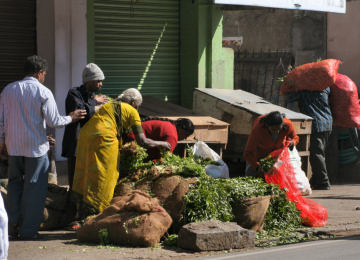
{"x": 96, "y": 169}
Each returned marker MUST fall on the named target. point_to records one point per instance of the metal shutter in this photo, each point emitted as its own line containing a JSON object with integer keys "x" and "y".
{"x": 17, "y": 37}
{"x": 125, "y": 35}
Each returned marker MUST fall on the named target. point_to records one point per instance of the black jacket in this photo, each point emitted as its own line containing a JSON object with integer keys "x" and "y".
{"x": 77, "y": 98}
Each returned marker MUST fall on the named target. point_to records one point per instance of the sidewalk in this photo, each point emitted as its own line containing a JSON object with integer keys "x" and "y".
{"x": 340, "y": 202}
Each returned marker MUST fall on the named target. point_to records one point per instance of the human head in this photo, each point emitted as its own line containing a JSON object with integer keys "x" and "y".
{"x": 36, "y": 66}
{"x": 92, "y": 77}
{"x": 273, "y": 121}
{"x": 184, "y": 127}
{"x": 131, "y": 96}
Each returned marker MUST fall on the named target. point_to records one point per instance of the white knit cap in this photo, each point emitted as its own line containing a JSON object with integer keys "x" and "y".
{"x": 92, "y": 72}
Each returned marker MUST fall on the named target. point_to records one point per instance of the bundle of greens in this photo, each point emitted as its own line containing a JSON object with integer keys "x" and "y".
{"x": 189, "y": 166}
{"x": 132, "y": 158}
{"x": 267, "y": 163}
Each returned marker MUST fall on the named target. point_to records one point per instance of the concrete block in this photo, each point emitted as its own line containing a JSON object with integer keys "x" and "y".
{"x": 215, "y": 235}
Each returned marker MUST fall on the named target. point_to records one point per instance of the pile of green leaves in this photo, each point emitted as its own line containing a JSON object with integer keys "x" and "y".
{"x": 212, "y": 199}
{"x": 189, "y": 166}
{"x": 281, "y": 221}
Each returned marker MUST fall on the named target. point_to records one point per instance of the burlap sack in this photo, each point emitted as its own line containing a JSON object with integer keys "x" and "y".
{"x": 59, "y": 210}
{"x": 133, "y": 219}
{"x": 250, "y": 213}
{"x": 170, "y": 190}
{"x": 57, "y": 197}
{"x": 54, "y": 219}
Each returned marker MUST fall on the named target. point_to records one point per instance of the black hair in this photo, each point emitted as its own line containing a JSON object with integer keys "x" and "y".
{"x": 273, "y": 118}
{"x": 185, "y": 124}
{"x": 181, "y": 123}
{"x": 34, "y": 64}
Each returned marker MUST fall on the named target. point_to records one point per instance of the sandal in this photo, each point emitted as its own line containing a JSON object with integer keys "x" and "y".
{"x": 73, "y": 226}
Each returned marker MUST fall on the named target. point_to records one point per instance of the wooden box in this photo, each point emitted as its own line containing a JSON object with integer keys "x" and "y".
{"x": 240, "y": 108}
{"x": 207, "y": 129}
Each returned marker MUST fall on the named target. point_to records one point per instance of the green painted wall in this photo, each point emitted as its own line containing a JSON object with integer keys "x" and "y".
{"x": 204, "y": 62}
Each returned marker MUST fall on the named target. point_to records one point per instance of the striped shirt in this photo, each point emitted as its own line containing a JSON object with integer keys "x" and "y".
{"x": 316, "y": 105}
{"x": 26, "y": 107}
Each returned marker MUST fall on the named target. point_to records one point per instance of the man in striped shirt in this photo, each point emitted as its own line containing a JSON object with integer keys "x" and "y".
{"x": 26, "y": 107}
{"x": 316, "y": 105}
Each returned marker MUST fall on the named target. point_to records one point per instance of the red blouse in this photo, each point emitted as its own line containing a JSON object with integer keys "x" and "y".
{"x": 260, "y": 144}
{"x": 160, "y": 131}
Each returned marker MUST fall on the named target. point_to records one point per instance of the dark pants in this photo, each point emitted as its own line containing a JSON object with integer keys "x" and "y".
{"x": 318, "y": 143}
{"x": 27, "y": 190}
{"x": 71, "y": 169}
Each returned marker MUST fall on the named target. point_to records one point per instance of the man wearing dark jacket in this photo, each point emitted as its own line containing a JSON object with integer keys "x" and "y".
{"x": 316, "y": 105}
{"x": 82, "y": 97}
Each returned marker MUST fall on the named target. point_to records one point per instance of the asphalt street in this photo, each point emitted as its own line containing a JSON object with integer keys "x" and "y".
{"x": 346, "y": 248}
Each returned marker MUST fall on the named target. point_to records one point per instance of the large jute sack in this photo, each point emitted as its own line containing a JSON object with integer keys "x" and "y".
{"x": 134, "y": 219}
{"x": 250, "y": 213}
{"x": 170, "y": 190}
{"x": 314, "y": 76}
{"x": 344, "y": 102}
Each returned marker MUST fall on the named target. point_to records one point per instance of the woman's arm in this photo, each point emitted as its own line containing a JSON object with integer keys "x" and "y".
{"x": 149, "y": 143}
{"x": 292, "y": 134}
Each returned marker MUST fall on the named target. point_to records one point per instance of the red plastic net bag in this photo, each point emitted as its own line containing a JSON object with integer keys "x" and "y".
{"x": 311, "y": 76}
{"x": 344, "y": 102}
{"x": 312, "y": 213}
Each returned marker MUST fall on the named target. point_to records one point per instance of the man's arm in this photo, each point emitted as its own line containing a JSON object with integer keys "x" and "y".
{"x": 52, "y": 116}
{"x": 75, "y": 101}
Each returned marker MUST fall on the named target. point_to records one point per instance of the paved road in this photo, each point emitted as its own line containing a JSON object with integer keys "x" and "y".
{"x": 347, "y": 248}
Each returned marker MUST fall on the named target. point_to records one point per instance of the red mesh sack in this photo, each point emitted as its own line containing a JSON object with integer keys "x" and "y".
{"x": 312, "y": 213}
{"x": 344, "y": 102}
{"x": 311, "y": 76}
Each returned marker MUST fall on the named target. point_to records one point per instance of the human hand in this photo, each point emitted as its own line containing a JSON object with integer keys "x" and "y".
{"x": 101, "y": 99}
{"x": 51, "y": 140}
{"x": 290, "y": 144}
{"x": 77, "y": 115}
{"x": 166, "y": 146}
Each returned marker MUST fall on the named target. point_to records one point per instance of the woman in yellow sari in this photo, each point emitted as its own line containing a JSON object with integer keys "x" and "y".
{"x": 96, "y": 170}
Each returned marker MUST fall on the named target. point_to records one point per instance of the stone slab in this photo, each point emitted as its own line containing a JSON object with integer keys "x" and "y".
{"x": 215, "y": 235}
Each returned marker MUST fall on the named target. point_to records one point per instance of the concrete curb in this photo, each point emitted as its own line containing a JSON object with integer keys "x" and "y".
{"x": 332, "y": 230}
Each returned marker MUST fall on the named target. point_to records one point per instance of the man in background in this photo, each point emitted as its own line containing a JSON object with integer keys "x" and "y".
{"x": 26, "y": 107}
{"x": 316, "y": 105}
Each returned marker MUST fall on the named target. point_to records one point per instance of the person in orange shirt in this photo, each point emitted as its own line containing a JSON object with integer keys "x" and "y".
{"x": 269, "y": 132}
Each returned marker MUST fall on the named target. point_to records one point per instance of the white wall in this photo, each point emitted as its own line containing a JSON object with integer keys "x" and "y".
{"x": 62, "y": 39}
{"x": 343, "y": 42}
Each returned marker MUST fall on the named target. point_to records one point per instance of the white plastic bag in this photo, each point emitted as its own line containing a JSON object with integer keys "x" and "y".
{"x": 202, "y": 150}
{"x": 302, "y": 180}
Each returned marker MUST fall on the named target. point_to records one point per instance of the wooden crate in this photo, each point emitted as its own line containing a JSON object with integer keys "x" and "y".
{"x": 207, "y": 129}
{"x": 240, "y": 108}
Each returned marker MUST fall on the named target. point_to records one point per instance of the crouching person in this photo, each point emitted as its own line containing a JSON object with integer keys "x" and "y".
{"x": 269, "y": 132}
